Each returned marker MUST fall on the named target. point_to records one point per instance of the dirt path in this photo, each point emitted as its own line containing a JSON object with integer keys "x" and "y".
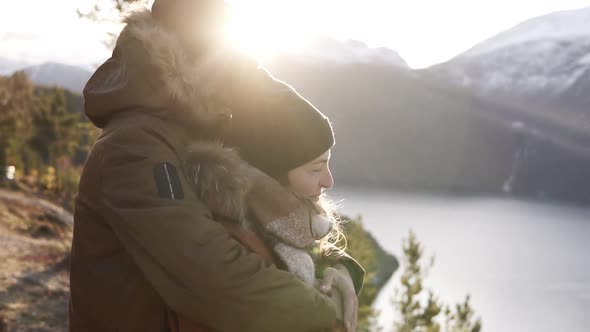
{"x": 35, "y": 239}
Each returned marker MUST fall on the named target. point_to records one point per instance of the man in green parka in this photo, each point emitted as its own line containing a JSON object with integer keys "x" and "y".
{"x": 143, "y": 242}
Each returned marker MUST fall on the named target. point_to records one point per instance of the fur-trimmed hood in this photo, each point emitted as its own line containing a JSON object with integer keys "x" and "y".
{"x": 151, "y": 69}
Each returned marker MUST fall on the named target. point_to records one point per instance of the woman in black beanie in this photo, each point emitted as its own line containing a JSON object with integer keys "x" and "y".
{"x": 270, "y": 148}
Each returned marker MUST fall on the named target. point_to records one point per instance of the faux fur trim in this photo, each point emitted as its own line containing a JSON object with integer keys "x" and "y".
{"x": 169, "y": 70}
{"x": 219, "y": 177}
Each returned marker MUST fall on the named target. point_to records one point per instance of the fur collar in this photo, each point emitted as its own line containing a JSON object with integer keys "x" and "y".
{"x": 220, "y": 178}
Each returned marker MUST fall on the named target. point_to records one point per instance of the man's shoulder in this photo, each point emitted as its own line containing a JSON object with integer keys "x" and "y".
{"x": 140, "y": 133}
{"x": 135, "y": 120}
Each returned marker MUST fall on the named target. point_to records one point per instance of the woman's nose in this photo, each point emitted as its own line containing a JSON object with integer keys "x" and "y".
{"x": 327, "y": 181}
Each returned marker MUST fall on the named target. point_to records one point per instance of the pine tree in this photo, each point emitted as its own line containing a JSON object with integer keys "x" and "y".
{"x": 462, "y": 319}
{"x": 362, "y": 249}
{"x": 55, "y": 134}
{"x": 419, "y": 308}
{"x": 415, "y": 316}
{"x": 16, "y": 100}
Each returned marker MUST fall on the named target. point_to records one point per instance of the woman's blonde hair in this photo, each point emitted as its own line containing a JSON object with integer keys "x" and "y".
{"x": 335, "y": 241}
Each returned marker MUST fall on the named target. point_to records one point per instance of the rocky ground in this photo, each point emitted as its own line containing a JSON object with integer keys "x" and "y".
{"x": 35, "y": 240}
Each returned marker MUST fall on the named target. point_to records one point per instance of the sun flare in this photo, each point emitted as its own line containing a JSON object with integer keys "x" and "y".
{"x": 263, "y": 29}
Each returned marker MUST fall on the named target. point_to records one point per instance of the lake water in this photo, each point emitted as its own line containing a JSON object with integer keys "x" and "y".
{"x": 526, "y": 264}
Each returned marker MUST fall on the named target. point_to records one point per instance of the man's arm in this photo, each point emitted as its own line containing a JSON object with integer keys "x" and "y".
{"x": 187, "y": 257}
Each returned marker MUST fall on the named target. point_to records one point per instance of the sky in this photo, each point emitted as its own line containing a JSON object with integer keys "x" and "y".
{"x": 422, "y": 32}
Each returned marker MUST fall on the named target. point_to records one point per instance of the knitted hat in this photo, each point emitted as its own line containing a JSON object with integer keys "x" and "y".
{"x": 277, "y": 130}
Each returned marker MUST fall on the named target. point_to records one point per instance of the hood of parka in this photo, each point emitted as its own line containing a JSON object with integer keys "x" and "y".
{"x": 151, "y": 70}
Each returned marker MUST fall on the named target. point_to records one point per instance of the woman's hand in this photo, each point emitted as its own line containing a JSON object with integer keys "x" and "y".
{"x": 337, "y": 280}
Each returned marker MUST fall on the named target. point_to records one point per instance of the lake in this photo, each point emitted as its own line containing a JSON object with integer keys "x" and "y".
{"x": 526, "y": 264}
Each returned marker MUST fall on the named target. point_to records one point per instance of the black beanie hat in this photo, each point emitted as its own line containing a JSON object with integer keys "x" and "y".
{"x": 277, "y": 130}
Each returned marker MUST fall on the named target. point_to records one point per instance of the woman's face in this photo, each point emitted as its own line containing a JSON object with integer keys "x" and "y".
{"x": 312, "y": 178}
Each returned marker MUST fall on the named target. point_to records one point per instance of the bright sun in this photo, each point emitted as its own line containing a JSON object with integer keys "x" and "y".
{"x": 264, "y": 28}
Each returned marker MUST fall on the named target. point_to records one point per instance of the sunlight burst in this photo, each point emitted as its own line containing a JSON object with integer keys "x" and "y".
{"x": 264, "y": 29}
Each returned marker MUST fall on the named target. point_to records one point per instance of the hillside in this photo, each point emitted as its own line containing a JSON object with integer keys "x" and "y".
{"x": 34, "y": 250}
{"x": 396, "y": 129}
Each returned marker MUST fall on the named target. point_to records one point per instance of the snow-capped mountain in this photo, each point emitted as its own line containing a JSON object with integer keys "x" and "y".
{"x": 350, "y": 51}
{"x": 546, "y": 59}
{"x": 555, "y": 26}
